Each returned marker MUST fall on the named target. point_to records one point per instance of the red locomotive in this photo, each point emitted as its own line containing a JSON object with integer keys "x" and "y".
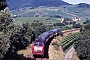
{"x": 38, "y": 46}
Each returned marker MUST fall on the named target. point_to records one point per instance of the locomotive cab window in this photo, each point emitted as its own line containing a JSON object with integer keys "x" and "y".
{"x": 36, "y": 44}
{"x": 40, "y": 44}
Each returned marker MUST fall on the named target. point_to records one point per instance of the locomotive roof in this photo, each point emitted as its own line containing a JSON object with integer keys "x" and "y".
{"x": 37, "y": 40}
{"x": 59, "y": 29}
{"x": 43, "y": 36}
{"x": 54, "y": 30}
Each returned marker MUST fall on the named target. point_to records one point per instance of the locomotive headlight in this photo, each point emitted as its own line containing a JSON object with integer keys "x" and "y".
{"x": 35, "y": 48}
{"x": 38, "y": 48}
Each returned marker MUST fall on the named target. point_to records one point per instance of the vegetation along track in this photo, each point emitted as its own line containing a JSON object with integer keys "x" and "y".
{"x": 55, "y": 54}
{"x": 28, "y": 54}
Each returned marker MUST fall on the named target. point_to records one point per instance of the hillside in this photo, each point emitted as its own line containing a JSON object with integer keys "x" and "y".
{"x": 67, "y": 11}
{"x": 45, "y": 8}
{"x": 15, "y": 4}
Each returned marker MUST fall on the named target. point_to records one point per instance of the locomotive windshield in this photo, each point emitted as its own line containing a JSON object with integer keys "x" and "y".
{"x": 38, "y": 44}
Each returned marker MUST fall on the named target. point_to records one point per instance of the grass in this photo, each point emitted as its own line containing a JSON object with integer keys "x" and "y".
{"x": 43, "y": 19}
{"x": 31, "y": 19}
{"x": 81, "y": 21}
{"x": 21, "y": 52}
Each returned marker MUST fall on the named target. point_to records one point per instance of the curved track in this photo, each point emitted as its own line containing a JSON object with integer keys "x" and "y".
{"x": 28, "y": 55}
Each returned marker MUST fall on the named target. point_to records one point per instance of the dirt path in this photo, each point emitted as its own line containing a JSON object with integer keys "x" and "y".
{"x": 75, "y": 57}
{"x": 69, "y": 54}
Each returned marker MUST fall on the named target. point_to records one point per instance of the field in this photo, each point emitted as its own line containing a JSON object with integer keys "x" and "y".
{"x": 67, "y": 11}
{"x": 69, "y": 40}
{"x": 31, "y": 19}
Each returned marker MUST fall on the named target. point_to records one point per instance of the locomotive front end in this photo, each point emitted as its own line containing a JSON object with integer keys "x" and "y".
{"x": 38, "y": 48}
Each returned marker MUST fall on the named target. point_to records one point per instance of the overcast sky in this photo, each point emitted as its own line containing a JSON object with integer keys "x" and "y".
{"x": 77, "y": 1}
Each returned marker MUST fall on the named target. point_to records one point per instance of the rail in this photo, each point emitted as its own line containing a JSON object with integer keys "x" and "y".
{"x": 68, "y": 56}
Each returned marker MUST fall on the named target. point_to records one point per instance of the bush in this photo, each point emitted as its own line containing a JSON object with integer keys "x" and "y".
{"x": 76, "y": 26}
{"x": 82, "y": 44}
{"x": 59, "y": 24}
{"x": 55, "y": 43}
{"x": 39, "y": 28}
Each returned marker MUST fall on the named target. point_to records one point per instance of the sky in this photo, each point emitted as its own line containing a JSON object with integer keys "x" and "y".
{"x": 77, "y": 1}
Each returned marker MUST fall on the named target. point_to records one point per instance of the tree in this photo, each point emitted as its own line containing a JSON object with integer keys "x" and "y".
{"x": 82, "y": 44}
{"x": 13, "y": 36}
{"x": 5, "y": 33}
{"x": 87, "y": 21}
{"x": 28, "y": 32}
{"x": 67, "y": 21}
{"x": 22, "y": 35}
{"x": 3, "y": 4}
{"x": 76, "y": 26}
{"x": 59, "y": 24}
{"x": 84, "y": 5}
{"x": 39, "y": 28}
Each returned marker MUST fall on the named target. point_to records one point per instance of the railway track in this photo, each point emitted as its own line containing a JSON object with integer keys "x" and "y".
{"x": 71, "y": 30}
{"x": 29, "y": 54}
{"x": 41, "y": 59}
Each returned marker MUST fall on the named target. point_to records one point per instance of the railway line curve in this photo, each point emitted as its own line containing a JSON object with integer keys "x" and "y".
{"x": 29, "y": 56}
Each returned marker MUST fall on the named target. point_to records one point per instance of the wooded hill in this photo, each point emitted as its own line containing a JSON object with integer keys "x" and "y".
{"x": 14, "y": 4}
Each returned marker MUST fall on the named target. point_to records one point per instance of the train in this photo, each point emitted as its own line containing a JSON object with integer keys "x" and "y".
{"x": 38, "y": 46}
